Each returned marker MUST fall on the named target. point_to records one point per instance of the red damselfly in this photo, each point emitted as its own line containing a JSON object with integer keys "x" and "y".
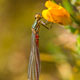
{"x": 34, "y": 61}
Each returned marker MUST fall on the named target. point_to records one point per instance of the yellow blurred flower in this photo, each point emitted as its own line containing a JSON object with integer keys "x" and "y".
{"x": 78, "y": 62}
{"x": 56, "y": 14}
{"x": 75, "y": 69}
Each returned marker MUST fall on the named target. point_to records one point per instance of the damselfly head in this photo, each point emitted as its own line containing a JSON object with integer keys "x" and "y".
{"x": 38, "y": 16}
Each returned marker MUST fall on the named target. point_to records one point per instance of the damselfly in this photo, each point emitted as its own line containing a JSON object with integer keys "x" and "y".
{"x": 34, "y": 62}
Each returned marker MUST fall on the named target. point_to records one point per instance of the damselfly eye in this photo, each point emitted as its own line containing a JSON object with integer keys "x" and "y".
{"x": 38, "y": 16}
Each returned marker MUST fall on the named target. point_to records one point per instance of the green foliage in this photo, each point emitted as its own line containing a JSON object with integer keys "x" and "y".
{"x": 52, "y": 0}
{"x": 78, "y": 1}
{"x": 78, "y": 44}
{"x": 72, "y": 10}
{"x": 68, "y": 6}
{"x": 72, "y": 29}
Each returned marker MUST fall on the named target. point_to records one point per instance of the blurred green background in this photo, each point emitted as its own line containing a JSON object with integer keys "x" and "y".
{"x": 59, "y": 58}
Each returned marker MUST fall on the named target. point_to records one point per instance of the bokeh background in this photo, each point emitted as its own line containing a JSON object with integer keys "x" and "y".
{"x": 59, "y": 58}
